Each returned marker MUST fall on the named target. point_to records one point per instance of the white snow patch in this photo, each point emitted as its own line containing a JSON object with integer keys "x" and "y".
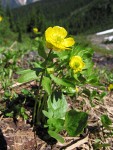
{"x": 109, "y": 38}
{"x": 21, "y": 2}
{"x": 105, "y": 32}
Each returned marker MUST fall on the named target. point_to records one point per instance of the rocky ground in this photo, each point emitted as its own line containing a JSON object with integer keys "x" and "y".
{"x": 100, "y": 41}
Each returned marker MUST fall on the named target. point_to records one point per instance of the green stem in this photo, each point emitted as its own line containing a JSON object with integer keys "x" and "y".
{"x": 38, "y": 91}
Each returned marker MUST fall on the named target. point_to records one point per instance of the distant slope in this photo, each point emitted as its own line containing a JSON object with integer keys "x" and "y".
{"x": 54, "y": 12}
{"x": 77, "y": 16}
{"x": 54, "y": 8}
{"x": 96, "y": 16}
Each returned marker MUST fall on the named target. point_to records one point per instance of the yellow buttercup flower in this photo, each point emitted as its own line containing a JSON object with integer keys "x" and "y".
{"x": 110, "y": 87}
{"x": 77, "y": 89}
{"x": 56, "y": 38}
{"x": 50, "y": 70}
{"x": 1, "y": 18}
{"x": 35, "y": 30}
{"x": 77, "y": 64}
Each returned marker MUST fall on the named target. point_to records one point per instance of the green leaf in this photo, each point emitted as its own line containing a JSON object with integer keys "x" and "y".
{"x": 106, "y": 121}
{"x": 62, "y": 82}
{"x": 23, "y": 71}
{"x": 92, "y": 79}
{"x": 23, "y": 113}
{"x": 55, "y": 124}
{"x": 27, "y": 76}
{"x": 9, "y": 114}
{"x": 81, "y": 79}
{"x": 102, "y": 95}
{"x": 75, "y": 122}
{"x": 98, "y": 145}
{"x": 87, "y": 92}
{"x": 37, "y": 64}
{"x": 56, "y": 136}
{"x": 41, "y": 49}
{"x": 63, "y": 55}
{"x": 2, "y": 49}
{"x": 58, "y": 107}
{"x": 76, "y": 77}
{"x": 46, "y": 83}
{"x": 48, "y": 114}
{"x": 25, "y": 92}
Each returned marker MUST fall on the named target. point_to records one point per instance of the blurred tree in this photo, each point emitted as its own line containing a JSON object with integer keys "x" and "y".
{"x": 8, "y": 13}
{"x": 19, "y": 39}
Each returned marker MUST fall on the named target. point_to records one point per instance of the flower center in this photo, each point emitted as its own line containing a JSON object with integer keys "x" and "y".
{"x": 59, "y": 39}
{"x": 76, "y": 65}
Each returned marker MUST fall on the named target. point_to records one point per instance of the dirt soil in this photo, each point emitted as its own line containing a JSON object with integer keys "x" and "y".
{"x": 20, "y": 136}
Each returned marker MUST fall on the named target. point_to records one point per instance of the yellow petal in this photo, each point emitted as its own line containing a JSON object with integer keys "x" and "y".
{"x": 68, "y": 42}
{"x": 1, "y": 18}
{"x": 110, "y": 87}
{"x": 49, "y": 45}
{"x": 58, "y": 48}
{"x": 59, "y": 31}
{"x": 48, "y": 33}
